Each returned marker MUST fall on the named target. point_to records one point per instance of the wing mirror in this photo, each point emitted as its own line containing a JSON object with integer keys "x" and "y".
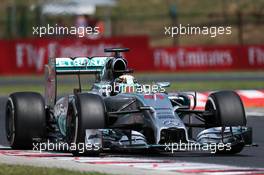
{"x": 163, "y": 84}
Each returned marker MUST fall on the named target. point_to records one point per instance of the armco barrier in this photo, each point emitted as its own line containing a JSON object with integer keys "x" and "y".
{"x": 28, "y": 56}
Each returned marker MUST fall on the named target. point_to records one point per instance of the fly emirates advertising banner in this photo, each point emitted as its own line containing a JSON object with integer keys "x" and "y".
{"x": 29, "y": 56}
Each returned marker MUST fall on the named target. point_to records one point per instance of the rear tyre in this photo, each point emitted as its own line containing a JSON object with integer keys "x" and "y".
{"x": 228, "y": 111}
{"x": 25, "y": 119}
{"x": 88, "y": 112}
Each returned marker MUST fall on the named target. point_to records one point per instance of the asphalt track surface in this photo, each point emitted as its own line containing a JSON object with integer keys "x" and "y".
{"x": 249, "y": 157}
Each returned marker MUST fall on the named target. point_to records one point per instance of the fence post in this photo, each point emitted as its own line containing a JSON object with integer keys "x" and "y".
{"x": 8, "y": 22}
{"x": 11, "y": 22}
{"x": 174, "y": 22}
{"x": 38, "y": 16}
{"x": 240, "y": 27}
{"x": 23, "y": 21}
{"x": 113, "y": 26}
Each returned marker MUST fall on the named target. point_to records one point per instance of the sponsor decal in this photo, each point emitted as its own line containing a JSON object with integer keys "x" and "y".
{"x": 80, "y": 61}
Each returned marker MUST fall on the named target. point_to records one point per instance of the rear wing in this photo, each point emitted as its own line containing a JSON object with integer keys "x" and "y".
{"x": 80, "y": 65}
{"x": 69, "y": 66}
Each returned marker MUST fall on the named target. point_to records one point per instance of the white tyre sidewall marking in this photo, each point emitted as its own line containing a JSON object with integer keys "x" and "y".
{"x": 12, "y": 136}
{"x": 212, "y": 101}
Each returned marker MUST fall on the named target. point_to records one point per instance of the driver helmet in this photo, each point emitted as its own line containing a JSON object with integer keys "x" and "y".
{"x": 125, "y": 83}
{"x": 126, "y": 79}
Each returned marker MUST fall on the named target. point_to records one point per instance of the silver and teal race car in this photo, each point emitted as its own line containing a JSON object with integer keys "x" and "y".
{"x": 118, "y": 113}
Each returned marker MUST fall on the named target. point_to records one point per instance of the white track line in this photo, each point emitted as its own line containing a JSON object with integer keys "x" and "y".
{"x": 257, "y": 114}
{"x": 146, "y": 164}
{"x": 162, "y": 165}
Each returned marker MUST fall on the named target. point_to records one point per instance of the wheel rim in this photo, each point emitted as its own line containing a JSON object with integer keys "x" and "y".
{"x": 10, "y": 122}
{"x": 210, "y": 106}
{"x": 72, "y": 125}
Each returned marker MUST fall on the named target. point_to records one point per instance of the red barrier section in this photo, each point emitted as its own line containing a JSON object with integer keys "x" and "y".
{"x": 209, "y": 58}
{"x": 28, "y": 56}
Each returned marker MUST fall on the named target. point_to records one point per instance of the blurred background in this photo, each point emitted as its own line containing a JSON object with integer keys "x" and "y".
{"x": 190, "y": 62}
{"x": 148, "y": 17}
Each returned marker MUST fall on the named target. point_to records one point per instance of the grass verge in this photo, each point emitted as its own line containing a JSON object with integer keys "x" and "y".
{"x": 30, "y": 170}
{"x": 175, "y": 86}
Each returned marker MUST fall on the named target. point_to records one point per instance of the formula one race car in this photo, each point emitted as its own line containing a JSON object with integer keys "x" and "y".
{"x": 118, "y": 113}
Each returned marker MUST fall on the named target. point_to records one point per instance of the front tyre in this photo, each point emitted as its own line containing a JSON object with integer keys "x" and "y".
{"x": 87, "y": 111}
{"x": 25, "y": 119}
{"x": 228, "y": 111}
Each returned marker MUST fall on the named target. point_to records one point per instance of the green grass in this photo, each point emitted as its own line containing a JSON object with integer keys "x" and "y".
{"x": 175, "y": 86}
{"x": 211, "y": 73}
{"x": 242, "y": 73}
{"x": 8, "y": 88}
{"x": 30, "y": 170}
